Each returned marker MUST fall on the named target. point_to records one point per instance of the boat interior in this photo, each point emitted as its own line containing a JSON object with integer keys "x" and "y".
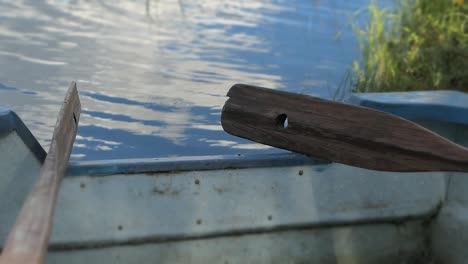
{"x": 265, "y": 208}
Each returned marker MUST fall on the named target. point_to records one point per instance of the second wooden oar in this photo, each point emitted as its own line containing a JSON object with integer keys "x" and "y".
{"x": 27, "y": 242}
{"x": 339, "y": 132}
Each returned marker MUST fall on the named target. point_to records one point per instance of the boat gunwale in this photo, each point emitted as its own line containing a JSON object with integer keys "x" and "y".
{"x": 445, "y": 106}
{"x": 10, "y": 121}
{"x": 188, "y": 163}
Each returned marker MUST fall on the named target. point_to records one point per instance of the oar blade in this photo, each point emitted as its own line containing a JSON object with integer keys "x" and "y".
{"x": 339, "y": 132}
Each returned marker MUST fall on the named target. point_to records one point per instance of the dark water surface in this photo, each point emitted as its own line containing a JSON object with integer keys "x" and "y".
{"x": 153, "y": 74}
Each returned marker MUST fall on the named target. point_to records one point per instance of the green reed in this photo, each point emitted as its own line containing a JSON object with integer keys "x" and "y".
{"x": 419, "y": 45}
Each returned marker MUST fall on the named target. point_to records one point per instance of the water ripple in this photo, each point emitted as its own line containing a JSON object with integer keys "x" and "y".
{"x": 153, "y": 74}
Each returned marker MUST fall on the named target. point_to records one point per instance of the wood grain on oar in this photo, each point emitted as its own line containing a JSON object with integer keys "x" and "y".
{"x": 28, "y": 240}
{"x": 339, "y": 132}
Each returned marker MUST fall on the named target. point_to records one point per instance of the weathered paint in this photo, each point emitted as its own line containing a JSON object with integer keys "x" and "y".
{"x": 218, "y": 162}
{"x": 19, "y": 167}
{"x": 207, "y": 206}
{"x": 450, "y": 228}
{"x": 362, "y": 244}
{"x": 9, "y": 122}
{"x": 160, "y": 206}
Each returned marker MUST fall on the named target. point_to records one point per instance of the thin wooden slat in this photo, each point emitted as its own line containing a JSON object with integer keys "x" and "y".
{"x": 339, "y": 132}
{"x": 28, "y": 240}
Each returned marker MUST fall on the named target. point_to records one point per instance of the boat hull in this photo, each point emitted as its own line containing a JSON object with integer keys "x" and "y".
{"x": 275, "y": 208}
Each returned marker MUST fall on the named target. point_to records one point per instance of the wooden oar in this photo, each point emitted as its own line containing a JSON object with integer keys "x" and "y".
{"x": 27, "y": 242}
{"x": 339, "y": 132}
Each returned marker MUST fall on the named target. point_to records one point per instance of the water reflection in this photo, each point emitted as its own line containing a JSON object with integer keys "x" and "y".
{"x": 153, "y": 74}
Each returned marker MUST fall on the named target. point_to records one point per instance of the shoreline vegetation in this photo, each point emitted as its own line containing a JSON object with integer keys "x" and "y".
{"x": 418, "y": 45}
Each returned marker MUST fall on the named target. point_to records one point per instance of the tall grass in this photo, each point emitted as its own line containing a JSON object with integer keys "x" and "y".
{"x": 419, "y": 45}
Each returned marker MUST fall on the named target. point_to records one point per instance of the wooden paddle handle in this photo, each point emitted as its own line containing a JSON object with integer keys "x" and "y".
{"x": 339, "y": 132}
{"x": 27, "y": 242}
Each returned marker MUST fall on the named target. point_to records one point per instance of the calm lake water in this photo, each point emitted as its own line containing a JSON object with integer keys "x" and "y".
{"x": 153, "y": 75}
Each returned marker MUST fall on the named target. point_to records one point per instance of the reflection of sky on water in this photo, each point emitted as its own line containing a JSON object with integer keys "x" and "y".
{"x": 153, "y": 74}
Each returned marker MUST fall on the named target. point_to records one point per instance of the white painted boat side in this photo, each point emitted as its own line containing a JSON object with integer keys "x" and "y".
{"x": 276, "y": 208}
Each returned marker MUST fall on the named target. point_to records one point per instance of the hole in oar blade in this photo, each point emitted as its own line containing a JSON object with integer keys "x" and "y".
{"x": 282, "y": 121}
